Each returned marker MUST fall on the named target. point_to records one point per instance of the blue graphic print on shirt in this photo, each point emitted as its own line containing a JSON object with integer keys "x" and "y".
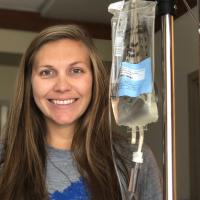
{"x": 76, "y": 191}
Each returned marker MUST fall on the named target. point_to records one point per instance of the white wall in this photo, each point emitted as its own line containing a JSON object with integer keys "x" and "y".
{"x": 7, "y": 81}
{"x": 13, "y": 41}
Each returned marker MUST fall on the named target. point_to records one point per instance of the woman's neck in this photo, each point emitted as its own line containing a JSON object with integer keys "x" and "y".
{"x": 60, "y": 137}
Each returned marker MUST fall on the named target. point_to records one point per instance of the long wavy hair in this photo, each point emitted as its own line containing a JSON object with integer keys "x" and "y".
{"x": 23, "y": 162}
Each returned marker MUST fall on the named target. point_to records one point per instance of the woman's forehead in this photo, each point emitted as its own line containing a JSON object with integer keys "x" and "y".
{"x": 71, "y": 49}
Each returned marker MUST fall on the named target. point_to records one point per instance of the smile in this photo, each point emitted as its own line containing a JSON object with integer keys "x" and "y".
{"x": 63, "y": 102}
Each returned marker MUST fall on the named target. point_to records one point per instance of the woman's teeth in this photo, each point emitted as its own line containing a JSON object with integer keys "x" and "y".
{"x": 63, "y": 102}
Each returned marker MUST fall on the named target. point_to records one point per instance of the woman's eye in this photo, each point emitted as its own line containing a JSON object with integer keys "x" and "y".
{"x": 77, "y": 71}
{"x": 46, "y": 73}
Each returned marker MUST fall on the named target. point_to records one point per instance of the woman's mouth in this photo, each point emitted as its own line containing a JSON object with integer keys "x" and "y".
{"x": 62, "y": 102}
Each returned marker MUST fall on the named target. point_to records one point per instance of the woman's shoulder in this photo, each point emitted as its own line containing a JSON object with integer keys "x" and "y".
{"x": 122, "y": 144}
{"x": 149, "y": 178}
{"x": 126, "y": 150}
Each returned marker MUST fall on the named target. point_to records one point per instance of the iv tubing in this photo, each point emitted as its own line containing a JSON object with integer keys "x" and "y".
{"x": 135, "y": 170}
{"x": 113, "y": 156}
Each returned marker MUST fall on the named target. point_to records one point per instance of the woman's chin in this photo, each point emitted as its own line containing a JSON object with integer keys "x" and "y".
{"x": 63, "y": 122}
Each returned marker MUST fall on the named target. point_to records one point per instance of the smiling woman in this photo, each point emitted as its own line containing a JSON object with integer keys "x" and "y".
{"x": 62, "y": 87}
{"x": 58, "y": 144}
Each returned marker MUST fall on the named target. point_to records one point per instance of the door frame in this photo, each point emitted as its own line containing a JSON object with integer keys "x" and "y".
{"x": 194, "y": 133}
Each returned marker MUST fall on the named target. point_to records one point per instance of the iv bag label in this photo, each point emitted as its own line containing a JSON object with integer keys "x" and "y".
{"x": 135, "y": 79}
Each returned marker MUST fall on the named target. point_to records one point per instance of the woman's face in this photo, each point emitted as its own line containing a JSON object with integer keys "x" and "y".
{"x": 62, "y": 81}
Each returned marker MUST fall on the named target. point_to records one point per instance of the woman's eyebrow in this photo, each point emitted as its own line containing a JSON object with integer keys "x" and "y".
{"x": 78, "y": 62}
{"x": 82, "y": 64}
{"x": 36, "y": 67}
{"x": 73, "y": 63}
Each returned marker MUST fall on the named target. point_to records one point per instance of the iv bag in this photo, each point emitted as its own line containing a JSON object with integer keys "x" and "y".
{"x": 132, "y": 73}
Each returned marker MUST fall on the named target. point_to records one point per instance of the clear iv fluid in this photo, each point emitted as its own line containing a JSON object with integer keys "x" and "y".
{"x": 132, "y": 96}
{"x": 132, "y": 111}
{"x": 131, "y": 86}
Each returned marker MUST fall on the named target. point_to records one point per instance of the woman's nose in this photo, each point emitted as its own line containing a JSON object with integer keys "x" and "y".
{"x": 62, "y": 84}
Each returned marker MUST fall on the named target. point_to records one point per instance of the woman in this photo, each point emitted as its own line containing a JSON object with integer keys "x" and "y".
{"x": 57, "y": 141}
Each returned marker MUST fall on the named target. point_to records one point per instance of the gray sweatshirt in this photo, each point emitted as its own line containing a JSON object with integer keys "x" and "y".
{"x": 65, "y": 183}
{"x": 149, "y": 180}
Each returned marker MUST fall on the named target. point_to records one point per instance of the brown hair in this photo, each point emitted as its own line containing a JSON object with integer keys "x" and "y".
{"x": 24, "y": 156}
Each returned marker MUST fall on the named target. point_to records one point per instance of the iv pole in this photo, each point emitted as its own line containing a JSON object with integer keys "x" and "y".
{"x": 166, "y": 10}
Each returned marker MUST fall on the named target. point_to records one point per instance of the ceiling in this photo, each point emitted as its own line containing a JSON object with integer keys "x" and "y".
{"x": 36, "y": 14}
{"x": 76, "y": 10}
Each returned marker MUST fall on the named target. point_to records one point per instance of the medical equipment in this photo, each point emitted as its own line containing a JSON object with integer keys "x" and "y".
{"x": 166, "y": 11}
{"x": 132, "y": 75}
